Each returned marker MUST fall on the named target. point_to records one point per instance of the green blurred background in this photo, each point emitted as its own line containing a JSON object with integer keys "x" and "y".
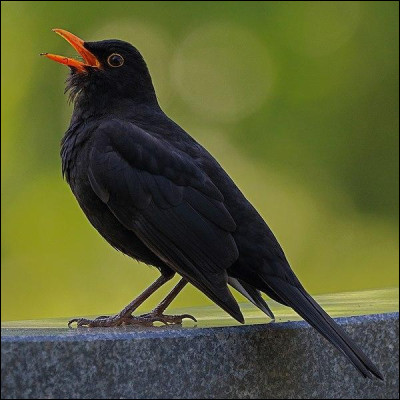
{"x": 297, "y": 100}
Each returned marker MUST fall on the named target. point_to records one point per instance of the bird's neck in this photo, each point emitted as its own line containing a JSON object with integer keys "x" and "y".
{"x": 86, "y": 107}
{"x": 92, "y": 99}
{"x": 110, "y": 107}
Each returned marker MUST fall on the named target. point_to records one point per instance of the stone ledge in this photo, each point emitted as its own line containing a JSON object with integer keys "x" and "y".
{"x": 276, "y": 360}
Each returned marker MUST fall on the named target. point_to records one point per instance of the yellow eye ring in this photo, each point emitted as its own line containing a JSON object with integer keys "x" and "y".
{"x": 115, "y": 60}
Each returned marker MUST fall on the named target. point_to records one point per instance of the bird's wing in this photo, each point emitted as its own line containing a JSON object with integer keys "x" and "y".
{"x": 169, "y": 202}
{"x": 251, "y": 294}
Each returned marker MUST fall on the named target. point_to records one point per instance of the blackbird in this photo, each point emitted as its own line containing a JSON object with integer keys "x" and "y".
{"x": 158, "y": 196}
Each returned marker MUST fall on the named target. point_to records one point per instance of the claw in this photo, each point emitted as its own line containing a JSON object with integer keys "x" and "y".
{"x": 70, "y": 322}
{"x": 189, "y": 317}
{"x": 79, "y": 322}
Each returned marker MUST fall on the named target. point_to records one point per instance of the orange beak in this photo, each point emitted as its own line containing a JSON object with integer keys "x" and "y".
{"x": 78, "y": 44}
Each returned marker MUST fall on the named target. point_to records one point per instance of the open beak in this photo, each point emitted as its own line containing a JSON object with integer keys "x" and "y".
{"x": 78, "y": 44}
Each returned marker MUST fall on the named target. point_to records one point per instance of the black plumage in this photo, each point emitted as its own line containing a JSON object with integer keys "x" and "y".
{"x": 157, "y": 195}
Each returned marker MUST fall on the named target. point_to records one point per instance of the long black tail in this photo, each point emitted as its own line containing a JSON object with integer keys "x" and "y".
{"x": 297, "y": 298}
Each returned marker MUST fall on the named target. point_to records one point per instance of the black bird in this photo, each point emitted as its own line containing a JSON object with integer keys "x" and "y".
{"x": 158, "y": 196}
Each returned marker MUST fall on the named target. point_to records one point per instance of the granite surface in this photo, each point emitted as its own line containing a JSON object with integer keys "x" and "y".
{"x": 275, "y": 360}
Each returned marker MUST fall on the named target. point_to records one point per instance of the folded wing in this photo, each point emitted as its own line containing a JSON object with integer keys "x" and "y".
{"x": 171, "y": 205}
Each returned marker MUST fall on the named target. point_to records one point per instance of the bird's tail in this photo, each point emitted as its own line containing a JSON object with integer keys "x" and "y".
{"x": 296, "y": 297}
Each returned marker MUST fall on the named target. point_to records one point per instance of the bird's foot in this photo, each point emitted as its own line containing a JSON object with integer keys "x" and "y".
{"x": 155, "y": 316}
{"x": 102, "y": 321}
{"x": 142, "y": 320}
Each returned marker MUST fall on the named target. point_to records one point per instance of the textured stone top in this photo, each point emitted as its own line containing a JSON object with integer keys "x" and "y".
{"x": 45, "y": 359}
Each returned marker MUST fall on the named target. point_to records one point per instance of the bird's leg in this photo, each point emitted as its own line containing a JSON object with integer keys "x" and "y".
{"x": 158, "y": 313}
{"x": 124, "y": 316}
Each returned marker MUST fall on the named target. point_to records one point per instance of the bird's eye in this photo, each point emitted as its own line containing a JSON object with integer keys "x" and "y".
{"x": 115, "y": 60}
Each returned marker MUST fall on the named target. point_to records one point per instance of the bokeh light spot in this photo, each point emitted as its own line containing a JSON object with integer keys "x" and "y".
{"x": 223, "y": 72}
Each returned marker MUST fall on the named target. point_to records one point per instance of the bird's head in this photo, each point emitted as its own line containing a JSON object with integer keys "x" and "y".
{"x": 110, "y": 70}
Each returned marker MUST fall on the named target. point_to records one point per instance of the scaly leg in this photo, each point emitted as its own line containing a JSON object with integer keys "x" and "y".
{"x": 158, "y": 313}
{"x": 124, "y": 316}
